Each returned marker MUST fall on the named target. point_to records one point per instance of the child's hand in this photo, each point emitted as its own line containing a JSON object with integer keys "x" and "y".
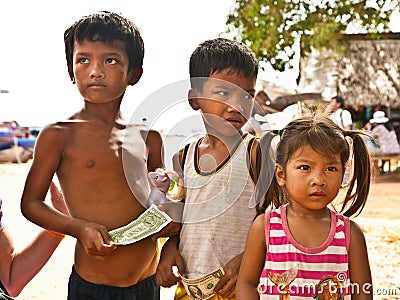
{"x": 174, "y": 210}
{"x": 96, "y": 241}
{"x": 57, "y": 199}
{"x": 170, "y": 257}
{"x": 172, "y": 229}
{"x": 226, "y": 286}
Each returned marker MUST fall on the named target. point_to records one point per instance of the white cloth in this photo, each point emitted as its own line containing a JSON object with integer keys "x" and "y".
{"x": 387, "y": 140}
{"x": 342, "y": 118}
{"x": 217, "y": 209}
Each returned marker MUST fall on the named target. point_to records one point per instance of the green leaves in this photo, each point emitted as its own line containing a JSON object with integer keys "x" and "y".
{"x": 271, "y": 27}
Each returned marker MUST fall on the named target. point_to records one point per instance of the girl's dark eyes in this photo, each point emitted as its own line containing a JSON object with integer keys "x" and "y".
{"x": 304, "y": 168}
{"x": 307, "y": 168}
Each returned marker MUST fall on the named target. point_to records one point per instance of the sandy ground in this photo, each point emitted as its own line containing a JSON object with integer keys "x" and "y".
{"x": 380, "y": 221}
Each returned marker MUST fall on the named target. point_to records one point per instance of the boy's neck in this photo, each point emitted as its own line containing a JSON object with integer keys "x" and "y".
{"x": 107, "y": 113}
{"x": 215, "y": 142}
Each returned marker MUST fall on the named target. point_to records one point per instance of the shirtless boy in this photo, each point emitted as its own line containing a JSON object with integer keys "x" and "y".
{"x": 101, "y": 163}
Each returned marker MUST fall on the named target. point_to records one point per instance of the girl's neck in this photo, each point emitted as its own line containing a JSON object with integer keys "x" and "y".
{"x": 296, "y": 211}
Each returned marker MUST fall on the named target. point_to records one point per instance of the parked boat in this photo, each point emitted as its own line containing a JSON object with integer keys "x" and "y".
{"x": 16, "y": 142}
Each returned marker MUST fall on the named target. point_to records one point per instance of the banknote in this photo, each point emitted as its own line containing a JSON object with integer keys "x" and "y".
{"x": 202, "y": 288}
{"x": 148, "y": 223}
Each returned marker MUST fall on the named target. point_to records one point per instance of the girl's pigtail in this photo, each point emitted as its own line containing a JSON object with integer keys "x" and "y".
{"x": 266, "y": 173}
{"x": 361, "y": 176}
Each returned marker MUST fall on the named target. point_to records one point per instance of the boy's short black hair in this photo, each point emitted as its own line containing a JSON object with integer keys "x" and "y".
{"x": 106, "y": 27}
{"x": 339, "y": 100}
{"x": 218, "y": 54}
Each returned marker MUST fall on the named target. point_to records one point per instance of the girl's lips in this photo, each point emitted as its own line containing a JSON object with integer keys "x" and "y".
{"x": 318, "y": 195}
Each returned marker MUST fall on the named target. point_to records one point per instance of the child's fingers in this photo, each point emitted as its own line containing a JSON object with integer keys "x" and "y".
{"x": 228, "y": 290}
{"x": 164, "y": 275}
{"x": 106, "y": 238}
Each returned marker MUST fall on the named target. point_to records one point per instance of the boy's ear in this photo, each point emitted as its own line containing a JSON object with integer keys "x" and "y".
{"x": 280, "y": 175}
{"x": 193, "y": 97}
{"x": 135, "y": 76}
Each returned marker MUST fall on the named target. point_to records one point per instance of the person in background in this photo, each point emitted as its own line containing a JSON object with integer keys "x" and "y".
{"x": 384, "y": 133}
{"x": 338, "y": 114}
{"x": 384, "y": 137}
{"x": 19, "y": 266}
{"x": 299, "y": 245}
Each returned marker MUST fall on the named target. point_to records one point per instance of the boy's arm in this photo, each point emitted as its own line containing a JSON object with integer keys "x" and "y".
{"x": 49, "y": 148}
{"x": 360, "y": 273}
{"x": 226, "y": 286}
{"x": 252, "y": 262}
{"x": 155, "y": 150}
{"x": 170, "y": 257}
{"x": 48, "y": 151}
{"x": 155, "y": 160}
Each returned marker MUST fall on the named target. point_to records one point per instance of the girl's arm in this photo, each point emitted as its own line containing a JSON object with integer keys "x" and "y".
{"x": 360, "y": 273}
{"x": 252, "y": 262}
{"x": 17, "y": 268}
{"x": 23, "y": 265}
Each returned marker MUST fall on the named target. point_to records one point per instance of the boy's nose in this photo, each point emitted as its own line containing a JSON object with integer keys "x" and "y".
{"x": 97, "y": 70}
{"x": 237, "y": 107}
{"x": 236, "y": 104}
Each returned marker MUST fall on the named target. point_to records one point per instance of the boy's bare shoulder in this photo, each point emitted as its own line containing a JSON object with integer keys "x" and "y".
{"x": 60, "y": 127}
{"x": 59, "y": 131}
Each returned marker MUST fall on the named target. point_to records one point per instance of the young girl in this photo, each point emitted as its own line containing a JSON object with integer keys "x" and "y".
{"x": 301, "y": 249}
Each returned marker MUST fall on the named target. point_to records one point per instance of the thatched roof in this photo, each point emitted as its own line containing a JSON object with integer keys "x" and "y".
{"x": 368, "y": 73}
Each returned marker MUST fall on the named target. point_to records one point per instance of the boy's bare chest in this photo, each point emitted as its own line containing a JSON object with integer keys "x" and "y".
{"x": 102, "y": 149}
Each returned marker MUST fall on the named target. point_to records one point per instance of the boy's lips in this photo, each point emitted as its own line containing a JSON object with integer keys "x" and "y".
{"x": 96, "y": 85}
{"x": 234, "y": 121}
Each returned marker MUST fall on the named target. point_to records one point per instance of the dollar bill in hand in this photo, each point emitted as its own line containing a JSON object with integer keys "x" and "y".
{"x": 202, "y": 288}
{"x": 148, "y": 223}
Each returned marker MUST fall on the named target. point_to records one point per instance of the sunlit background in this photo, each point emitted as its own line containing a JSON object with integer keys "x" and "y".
{"x": 33, "y": 68}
